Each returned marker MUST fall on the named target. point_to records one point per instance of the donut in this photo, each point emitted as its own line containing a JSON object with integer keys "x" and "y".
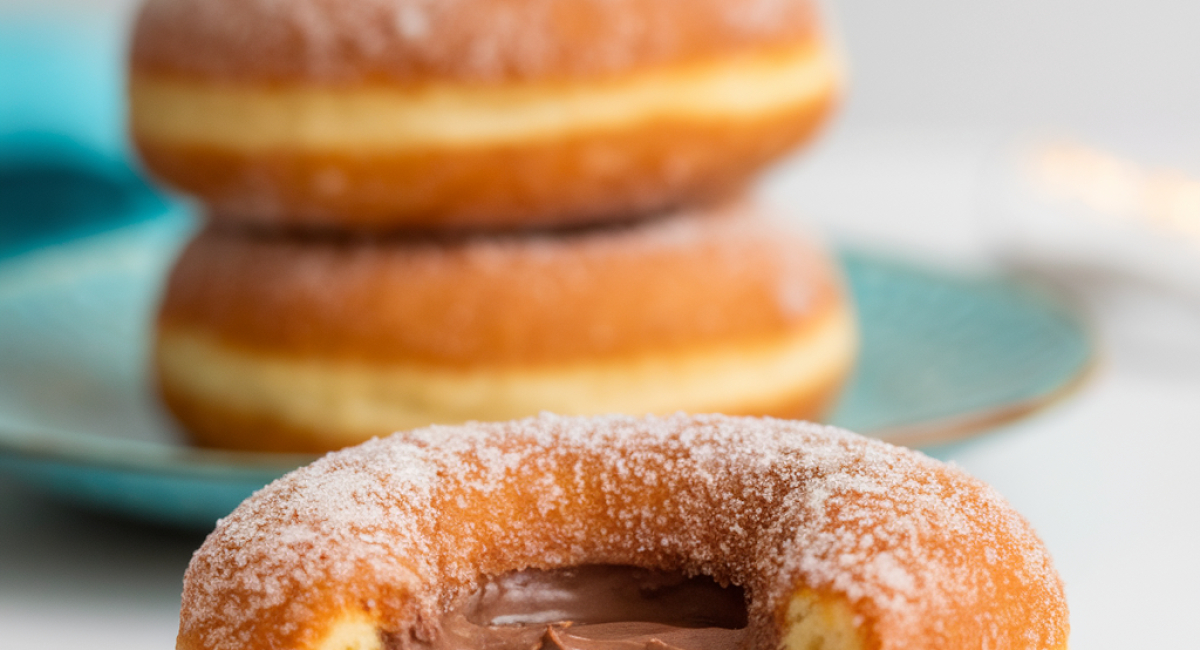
{"x": 308, "y": 344}
{"x": 379, "y": 115}
{"x": 838, "y": 542}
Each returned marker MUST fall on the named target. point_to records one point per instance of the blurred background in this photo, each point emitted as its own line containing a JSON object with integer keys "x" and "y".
{"x": 945, "y": 152}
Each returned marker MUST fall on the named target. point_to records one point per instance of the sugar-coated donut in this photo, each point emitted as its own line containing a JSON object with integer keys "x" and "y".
{"x": 413, "y": 114}
{"x": 281, "y": 343}
{"x": 840, "y": 542}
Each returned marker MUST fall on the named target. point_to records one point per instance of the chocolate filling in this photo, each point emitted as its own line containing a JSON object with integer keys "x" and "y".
{"x": 596, "y": 608}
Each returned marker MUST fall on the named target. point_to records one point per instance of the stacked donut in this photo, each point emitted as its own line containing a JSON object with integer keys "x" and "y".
{"x": 426, "y": 211}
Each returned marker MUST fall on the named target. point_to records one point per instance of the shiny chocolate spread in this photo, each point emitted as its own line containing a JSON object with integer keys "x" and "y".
{"x": 596, "y": 608}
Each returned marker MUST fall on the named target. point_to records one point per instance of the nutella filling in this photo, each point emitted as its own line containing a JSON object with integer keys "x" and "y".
{"x": 596, "y": 608}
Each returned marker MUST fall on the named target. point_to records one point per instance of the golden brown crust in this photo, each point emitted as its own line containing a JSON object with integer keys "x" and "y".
{"x": 595, "y": 109}
{"x": 695, "y": 281}
{"x": 588, "y": 177}
{"x": 920, "y": 555}
{"x": 309, "y": 344}
{"x": 416, "y": 41}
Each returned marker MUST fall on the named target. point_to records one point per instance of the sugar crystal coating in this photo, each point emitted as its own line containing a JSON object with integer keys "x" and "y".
{"x": 478, "y": 40}
{"x": 695, "y": 279}
{"x": 397, "y": 528}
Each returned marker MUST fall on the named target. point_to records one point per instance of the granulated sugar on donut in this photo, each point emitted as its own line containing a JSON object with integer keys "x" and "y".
{"x": 280, "y": 343}
{"x": 469, "y": 39}
{"x": 385, "y": 116}
{"x": 832, "y": 535}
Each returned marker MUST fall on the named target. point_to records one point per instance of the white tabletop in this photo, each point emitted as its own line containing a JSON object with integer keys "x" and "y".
{"x": 1108, "y": 477}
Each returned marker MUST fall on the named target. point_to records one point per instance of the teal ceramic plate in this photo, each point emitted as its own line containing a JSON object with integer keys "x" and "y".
{"x": 943, "y": 356}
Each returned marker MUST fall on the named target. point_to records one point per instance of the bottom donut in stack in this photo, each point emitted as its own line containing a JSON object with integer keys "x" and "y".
{"x": 837, "y": 542}
{"x": 273, "y": 342}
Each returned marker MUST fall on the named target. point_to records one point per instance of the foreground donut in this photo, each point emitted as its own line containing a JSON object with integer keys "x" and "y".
{"x": 840, "y": 542}
{"x": 393, "y": 114}
{"x": 310, "y": 345}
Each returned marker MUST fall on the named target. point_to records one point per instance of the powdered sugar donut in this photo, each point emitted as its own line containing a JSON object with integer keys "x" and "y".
{"x": 840, "y": 542}
{"x": 285, "y": 343}
{"x": 419, "y": 114}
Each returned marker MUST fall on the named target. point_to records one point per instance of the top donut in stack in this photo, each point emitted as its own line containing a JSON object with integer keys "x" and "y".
{"x": 411, "y": 212}
{"x": 425, "y": 115}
